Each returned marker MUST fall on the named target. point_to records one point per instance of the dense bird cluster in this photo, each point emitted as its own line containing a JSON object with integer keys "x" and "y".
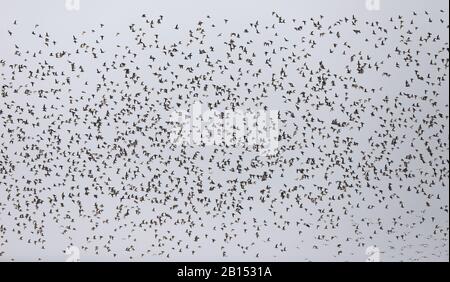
{"x": 363, "y": 156}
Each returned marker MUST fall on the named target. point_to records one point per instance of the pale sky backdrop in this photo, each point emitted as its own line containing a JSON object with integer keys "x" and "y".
{"x": 52, "y": 17}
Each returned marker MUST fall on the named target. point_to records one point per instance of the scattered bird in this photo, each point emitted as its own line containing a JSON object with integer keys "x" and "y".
{"x": 362, "y": 154}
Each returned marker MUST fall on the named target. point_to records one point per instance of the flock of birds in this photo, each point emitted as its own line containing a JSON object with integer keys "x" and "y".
{"x": 363, "y": 156}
